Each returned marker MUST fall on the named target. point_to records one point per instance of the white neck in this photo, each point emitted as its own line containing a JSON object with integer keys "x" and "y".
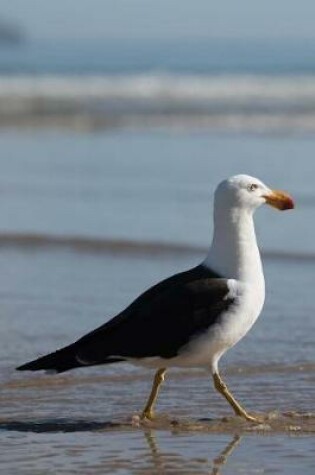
{"x": 234, "y": 252}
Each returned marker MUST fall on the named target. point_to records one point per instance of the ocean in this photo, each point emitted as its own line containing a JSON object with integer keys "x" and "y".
{"x": 262, "y": 87}
{"x": 106, "y": 187}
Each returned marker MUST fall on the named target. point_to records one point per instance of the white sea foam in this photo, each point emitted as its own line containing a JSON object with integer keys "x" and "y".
{"x": 234, "y": 101}
{"x": 236, "y": 88}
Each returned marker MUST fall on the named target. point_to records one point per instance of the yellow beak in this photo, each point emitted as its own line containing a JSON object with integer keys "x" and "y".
{"x": 280, "y": 200}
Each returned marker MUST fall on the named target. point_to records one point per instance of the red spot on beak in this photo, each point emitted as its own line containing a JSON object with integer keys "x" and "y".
{"x": 280, "y": 200}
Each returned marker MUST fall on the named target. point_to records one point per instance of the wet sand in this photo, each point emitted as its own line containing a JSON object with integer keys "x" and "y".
{"x": 40, "y": 392}
{"x": 89, "y": 423}
{"x": 167, "y": 445}
{"x": 272, "y": 423}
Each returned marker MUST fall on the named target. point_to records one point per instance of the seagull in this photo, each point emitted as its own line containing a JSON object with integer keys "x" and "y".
{"x": 192, "y": 318}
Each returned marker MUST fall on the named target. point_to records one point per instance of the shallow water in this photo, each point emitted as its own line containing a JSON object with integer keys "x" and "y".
{"x": 151, "y": 452}
{"x": 154, "y": 188}
{"x": 149, "y": 186}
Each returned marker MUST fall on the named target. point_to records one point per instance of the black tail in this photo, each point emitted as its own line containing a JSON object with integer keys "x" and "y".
{"x": 59, "y": 361}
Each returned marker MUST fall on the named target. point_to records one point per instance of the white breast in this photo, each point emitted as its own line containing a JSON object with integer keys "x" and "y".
{"x": 237, "y": 321}
{"x": 206, "y": 349}
{"x": 234, "y": 254}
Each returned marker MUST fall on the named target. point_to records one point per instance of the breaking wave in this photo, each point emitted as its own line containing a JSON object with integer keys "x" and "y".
{"x": 258, "y": 102}
{"x": 294, "y": 90}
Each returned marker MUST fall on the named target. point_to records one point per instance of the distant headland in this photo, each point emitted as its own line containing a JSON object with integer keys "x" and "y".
{"x": 10, "y": 34}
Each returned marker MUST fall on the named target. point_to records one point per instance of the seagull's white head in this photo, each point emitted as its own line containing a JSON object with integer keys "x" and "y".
{"x": 247, "y": 192}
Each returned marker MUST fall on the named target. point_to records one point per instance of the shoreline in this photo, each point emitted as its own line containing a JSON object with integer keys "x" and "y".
{"x": 272, "y": 423}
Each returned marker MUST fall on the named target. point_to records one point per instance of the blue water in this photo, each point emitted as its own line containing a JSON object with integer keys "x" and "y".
{"x": 265, "y": 87}
{"x": 199, "y": 57}
{"x": 152, "y": 186}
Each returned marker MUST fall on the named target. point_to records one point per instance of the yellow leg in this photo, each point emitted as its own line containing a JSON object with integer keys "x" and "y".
{"x": 222, "y": 388}
{"x": 148, "y": 412}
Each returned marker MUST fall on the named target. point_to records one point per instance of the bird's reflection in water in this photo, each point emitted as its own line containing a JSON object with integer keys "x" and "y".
{"x": 221, "y": 460}
{"x": 160, "y": 461}
{"x": 157, "y": 457}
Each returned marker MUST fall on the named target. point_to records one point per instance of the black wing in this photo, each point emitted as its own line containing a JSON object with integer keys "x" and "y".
{"x": 158, "y": 323}
{"x": 162, "y": 320}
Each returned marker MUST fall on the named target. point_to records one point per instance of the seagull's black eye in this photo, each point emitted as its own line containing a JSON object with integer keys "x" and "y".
{"x": 252, "y": 187}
